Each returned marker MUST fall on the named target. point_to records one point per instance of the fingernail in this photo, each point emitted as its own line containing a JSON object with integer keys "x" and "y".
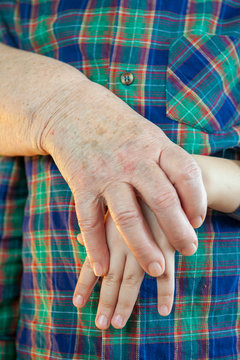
{"x": 97, "y": 268}
{"x": 188, "y": 251}
{"x": 118, "y": 321}
{"x": 197, "y": 222}
{"x": 155, "y": 269}
{"x": 163, "y": 310}
{"x": 102, "y": 321}
{"x": 78, "y": 300}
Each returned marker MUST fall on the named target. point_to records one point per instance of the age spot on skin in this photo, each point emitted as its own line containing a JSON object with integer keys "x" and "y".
{"x": 100, "y": 130}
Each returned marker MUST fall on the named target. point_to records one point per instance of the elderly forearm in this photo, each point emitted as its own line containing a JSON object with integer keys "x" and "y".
{"x": 28, "y": 82}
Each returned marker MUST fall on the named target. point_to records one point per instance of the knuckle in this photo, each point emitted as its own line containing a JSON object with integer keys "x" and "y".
{"x": 89, "y": 225}
{"x": 131, "y": 280}
{"x": 167, "y": 296}
{"x": 105, "y": 304}
{"x": 166, "y": 277}
{"x": 111, "y": 278}
{"x": 165, "y": 200}
{"x": 166, "y": 289}
{"x": 190, "y": 172}
{"x": 127, "y": 217}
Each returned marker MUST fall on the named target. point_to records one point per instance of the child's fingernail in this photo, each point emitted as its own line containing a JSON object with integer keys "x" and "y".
{"x": 97, "y": 268}
{"x": 163, "y": 310}
{"x": 78, "y": 300}
{"x": 155, "y": 269}
{"x": 118, "y": 321}
{"x": 102, "y": 321}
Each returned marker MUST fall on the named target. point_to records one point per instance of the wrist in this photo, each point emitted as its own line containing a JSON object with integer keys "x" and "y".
{"x": 208, "y": 181}
{"x": 52, "y": 116}
{"x": 221, "y": 178}
{"x": 29, "y": 91}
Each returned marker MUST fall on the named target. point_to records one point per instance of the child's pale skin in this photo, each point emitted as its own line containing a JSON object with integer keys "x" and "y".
{"x": 120, "y": 287}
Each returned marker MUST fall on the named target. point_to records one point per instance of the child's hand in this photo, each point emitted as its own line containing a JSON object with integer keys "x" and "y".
{"x": 221, "y": 178}
{"x": 120, "y": 287}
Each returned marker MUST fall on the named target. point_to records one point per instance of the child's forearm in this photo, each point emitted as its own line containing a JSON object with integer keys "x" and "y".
{"x": 221, "y": 178}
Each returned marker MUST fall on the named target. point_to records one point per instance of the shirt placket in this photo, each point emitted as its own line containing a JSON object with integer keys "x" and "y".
{"x": 129, "y": 52}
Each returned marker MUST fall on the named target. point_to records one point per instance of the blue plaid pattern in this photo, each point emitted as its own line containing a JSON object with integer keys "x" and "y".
{"x": 185, "y": 59}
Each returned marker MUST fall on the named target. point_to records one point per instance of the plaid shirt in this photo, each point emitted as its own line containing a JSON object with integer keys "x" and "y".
{"x": 185, "y": 60}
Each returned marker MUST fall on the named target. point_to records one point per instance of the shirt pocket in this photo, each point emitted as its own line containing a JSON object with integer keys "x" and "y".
{"x": 203, "y": 81}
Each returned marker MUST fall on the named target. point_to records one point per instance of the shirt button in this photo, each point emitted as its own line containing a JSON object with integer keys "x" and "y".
{"x": 127, "y": 78}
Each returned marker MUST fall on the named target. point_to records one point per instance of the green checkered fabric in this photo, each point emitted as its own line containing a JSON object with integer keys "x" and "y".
{"x": 184, "y": 57}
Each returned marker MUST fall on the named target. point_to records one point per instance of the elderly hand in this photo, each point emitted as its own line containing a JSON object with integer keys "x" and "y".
{"x": 106, "y": 152}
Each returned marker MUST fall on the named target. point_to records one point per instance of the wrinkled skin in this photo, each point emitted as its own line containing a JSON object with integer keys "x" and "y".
{"x": 108, "y": 155}
{"x": 106, "y": 152}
